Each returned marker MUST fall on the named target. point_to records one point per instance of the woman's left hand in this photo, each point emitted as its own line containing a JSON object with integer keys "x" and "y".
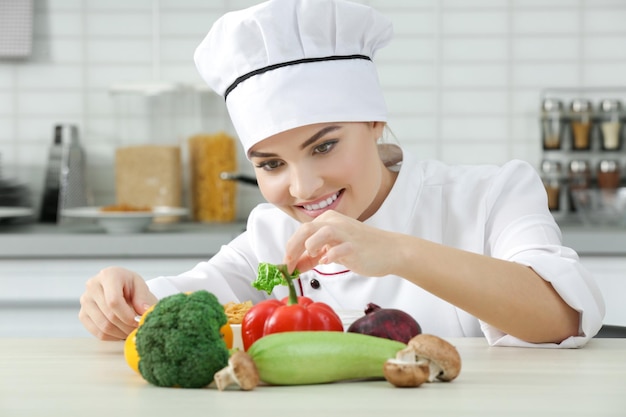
{"x": 335, "y": 238}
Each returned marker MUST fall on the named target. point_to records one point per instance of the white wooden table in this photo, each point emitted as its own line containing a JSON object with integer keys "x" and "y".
{"x": 87, "y": 377}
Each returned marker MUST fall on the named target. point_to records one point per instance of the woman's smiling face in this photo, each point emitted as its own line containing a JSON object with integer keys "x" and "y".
{"x": 326, "y": 166}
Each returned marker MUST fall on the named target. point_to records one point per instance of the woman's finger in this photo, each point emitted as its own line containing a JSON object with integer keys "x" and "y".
{"x": 96, "y": 322}
{"x": 295, "y": 251}
{"x": 101, "y": 305}
{"x": 305, "y": 263}
{"x": 309, "y": 244}
{"x": 117, "y": 298}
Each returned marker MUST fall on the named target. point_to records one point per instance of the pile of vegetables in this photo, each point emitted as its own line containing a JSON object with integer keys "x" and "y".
{"x": 304, "y": 358}
{"x": 294, "y": 341}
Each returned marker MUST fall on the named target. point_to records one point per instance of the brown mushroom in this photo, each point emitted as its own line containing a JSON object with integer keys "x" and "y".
{"x": 405, "y": 374}
{"x": 241, "y": 370}
{"x": 426, "y": 353}
{"x": 445, "y": 361}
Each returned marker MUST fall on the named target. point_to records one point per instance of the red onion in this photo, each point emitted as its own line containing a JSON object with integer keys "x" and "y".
{"x": 388, "y": 323}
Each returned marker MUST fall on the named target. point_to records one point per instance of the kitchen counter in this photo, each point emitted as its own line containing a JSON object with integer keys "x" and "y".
{"x": 186, "y": 239}
{"x": 594, "y": 240}
{"x": 199, "y": 239}
{"x": 84, "y": 376}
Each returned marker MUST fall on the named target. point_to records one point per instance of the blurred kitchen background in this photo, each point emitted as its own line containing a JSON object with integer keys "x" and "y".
{"x": 463, "y": 78}
{"x": 467, "y": 81}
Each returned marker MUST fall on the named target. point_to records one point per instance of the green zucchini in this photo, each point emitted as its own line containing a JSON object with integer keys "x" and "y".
{"x": 317, "y": 357}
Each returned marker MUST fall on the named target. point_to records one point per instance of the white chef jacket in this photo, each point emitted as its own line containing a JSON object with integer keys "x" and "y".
{"x": 501, "y": 212}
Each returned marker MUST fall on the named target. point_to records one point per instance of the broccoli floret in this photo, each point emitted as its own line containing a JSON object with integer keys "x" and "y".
{"x": 179, "y": 344}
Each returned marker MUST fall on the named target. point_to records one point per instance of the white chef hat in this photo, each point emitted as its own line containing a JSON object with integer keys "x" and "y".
{"x": 289, "y": 63}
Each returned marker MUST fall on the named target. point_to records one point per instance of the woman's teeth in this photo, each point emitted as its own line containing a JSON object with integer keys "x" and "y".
{"x": 322, "y": 204}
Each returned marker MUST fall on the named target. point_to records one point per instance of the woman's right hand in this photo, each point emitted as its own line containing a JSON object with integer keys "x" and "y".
{"x": 112, "y": 300}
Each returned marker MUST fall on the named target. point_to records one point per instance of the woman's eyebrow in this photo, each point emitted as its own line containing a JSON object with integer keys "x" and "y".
{"x": 318, "y": 135}
{"x": 256, "y": 154}
{"x": 312, "y": 139}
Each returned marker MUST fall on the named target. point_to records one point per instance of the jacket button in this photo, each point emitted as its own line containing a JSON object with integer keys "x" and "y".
{"x": 315, "y": 284}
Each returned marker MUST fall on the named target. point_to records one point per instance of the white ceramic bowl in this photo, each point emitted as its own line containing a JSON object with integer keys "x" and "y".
{"x": 123, "y": 222}
{"x": 12, "y": 212}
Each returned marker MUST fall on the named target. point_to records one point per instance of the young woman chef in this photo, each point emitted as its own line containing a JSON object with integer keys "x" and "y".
{"x": 466, "y": 250}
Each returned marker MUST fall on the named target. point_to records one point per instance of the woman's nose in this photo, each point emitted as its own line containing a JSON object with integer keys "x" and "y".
{"x": 304, "y": 183}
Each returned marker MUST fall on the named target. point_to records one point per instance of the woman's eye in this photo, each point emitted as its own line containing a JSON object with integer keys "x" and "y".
{"x": 325, "y": 147}
{"x": 269, "y": 165}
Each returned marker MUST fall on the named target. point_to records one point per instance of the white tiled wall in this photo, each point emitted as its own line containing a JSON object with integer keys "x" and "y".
{"x": 462, "y": 77}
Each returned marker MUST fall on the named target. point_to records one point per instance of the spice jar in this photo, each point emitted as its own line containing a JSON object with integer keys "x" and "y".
{"x": 551, "y": 176}
{"x": 579, "y": 177}
{"x": 551, "y": 123}
{"x": 580, "y": 123}
{"x": 608, "y": 174}
{"x": 610, "y": 125}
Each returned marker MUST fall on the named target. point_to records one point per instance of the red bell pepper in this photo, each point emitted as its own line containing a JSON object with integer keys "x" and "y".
{"x": 292, "y": 313}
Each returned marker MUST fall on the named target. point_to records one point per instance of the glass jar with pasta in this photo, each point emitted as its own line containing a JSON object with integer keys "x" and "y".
{"x": 213, "y": 198}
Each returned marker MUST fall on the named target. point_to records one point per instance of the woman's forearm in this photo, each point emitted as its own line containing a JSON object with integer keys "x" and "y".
{"x": 507, "y": 295}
